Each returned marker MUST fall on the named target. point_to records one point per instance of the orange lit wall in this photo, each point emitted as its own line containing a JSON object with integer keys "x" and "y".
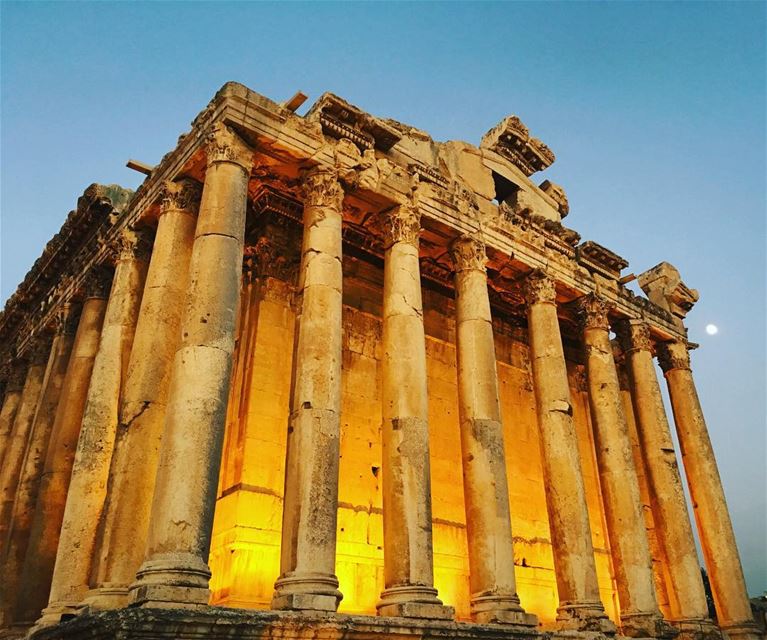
{"x": 246, "y": 536}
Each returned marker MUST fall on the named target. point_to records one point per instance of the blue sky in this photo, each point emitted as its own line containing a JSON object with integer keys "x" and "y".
{"x": 656, "y": 112}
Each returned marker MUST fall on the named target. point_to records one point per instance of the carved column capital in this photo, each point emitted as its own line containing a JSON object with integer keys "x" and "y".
{"x": 275, "y": 254}
{"x": 40, "y": 349}
{"x": 468, "y": 254}
{"x": 673, "y": 355}
{"x": 132, "y": 244}
{"x": 180, "y": 195}
{"x": 98, "y": 282}
{"x": 592, "y": 312}
{"x": 320, "y": 188}
{"x": 67, "y": 318}
{"x": 634, "y": 335}
{"x": 401, "y": 224}
{"x": 224, "y": 145}
{"x": 539, "y": 288}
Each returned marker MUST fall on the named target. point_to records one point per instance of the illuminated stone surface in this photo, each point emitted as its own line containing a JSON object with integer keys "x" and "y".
{"x": 358, "y": 383}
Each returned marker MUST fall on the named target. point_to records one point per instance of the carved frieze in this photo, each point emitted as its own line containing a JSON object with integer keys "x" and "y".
{"x": 511, "y": 139}
{"x": 468, "y": 254}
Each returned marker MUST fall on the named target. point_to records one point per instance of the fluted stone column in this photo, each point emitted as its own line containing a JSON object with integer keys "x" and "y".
{"x": 580, "y": 606}
{"x": 308, "y": 552}
{"x": 11, "y": 400}
{"x": 488, "y": 518}
{"x": 632, "y": 562}
{"x": 175, "y": 570}
{"x": 22, "y": 426}
{"x": 686, "y": 593}
{"x": 34, "y": 585}
{"x": 717, "y": 537}
{"x": 93, "y": 456}
{"x": 408, "y": 554}
{"x": 132, "y": 475}
{"x": 34, "y": 459}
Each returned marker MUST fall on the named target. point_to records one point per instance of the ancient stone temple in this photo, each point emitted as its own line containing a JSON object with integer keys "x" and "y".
{"x": 322, "y": 376}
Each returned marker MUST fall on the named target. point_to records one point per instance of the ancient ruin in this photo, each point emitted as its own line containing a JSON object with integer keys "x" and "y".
{"x": 323, "y": 376}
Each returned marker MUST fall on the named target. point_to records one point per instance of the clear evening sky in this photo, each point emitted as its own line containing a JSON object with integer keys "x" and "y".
{"x": 656, "y": 112}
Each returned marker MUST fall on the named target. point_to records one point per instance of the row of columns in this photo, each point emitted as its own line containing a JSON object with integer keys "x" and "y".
{"x": 149, "y": 421}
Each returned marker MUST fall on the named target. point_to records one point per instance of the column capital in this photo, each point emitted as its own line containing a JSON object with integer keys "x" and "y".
{"x": 634, "y": 335}
{"x": 673, "y": 355}
{"x": 98, "y": 282}
{"x": 320, "y": 187}
{"x": 592, "y": 312}
{"x": 468, "y": 254}
{"x": 224, "y": 145}
{"x": 67, "y": 318}
{"x": 180, "y": 195}
{"x": 132, "y": 244}
{"x": 401, "y": 224}
{"x": 539, "y": 288}
{"x": 273, "y": 255}
{"x": 40, "y": 349}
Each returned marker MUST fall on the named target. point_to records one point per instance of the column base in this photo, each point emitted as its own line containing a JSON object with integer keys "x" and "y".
{"x": 697, "y": 629}
{"x": 55, "y": 613}
{"x": 497, "y": 609}
{"x": 306, "y": 592}
{"x": 647, "y": 625}
{"x": 171, "y": 580}
{"x": 585, "y": 616}
{"x": 413, "y": 601}
{"x": 109, "y": 595}
{"x": 744, "y": 630}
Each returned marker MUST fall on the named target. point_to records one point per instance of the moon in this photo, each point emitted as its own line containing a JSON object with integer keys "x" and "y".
{"x": 712, "y": 329}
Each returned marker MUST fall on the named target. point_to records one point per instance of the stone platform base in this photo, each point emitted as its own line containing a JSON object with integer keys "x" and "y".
{"x": 217, "y": 623}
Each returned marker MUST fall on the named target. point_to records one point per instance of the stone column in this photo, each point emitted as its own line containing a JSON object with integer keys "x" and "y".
{"x": 22, "y": 426}
{"x": 717, "y": 538}
{"x": 93, "y": 456}
{"x": 493, "y": 586}
{"x": 408, "y": 553}
{"x": 632, "y": 562}
{"x": 175, "y": 570}
{"x": 686, "y": 593}
{"x": 142, "y": 409}
{"x": 34, "y": 459}
{"x": 308, "y": 552}
{"x": 40, "y": 557}
{"x": 11, "y": 400}
{"x": 580, "y": 606}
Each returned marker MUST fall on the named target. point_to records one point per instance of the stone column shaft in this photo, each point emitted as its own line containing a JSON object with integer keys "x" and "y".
{"x": 408, "y": 553}
{"x": 13, "y": 460}
{"x": 488, "y": 518}
{"x": 142, "y": 409}
{"x": 93, "y": 456}
{"x": 11, "y": 402}
{"x": 717, "y": 537}
{"x": 308, "y": 552}
{"x": 686, "y": 593}
{"x": 37, "y": 570}
{"x": 34, "y": 459}
{"x": 175, "y": 570}
{"x": 629, "y": 546}
{"x": 580, "y": 606}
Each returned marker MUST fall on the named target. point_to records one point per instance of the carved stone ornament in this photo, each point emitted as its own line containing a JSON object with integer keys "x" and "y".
{"x": 320, "y": 188}
{"x": 98, "y": 282}
{"x": 468, "y": 254}
{"x": 180, "y": 195}
{"x": 673, "y": 355}
{"x": 67, "y": 319}
{"x": 634, "y": 336}
{"x": 593, "y": 312}
{"x": 40, "y": 350}
{"x": 539, "y": 288}
{"x": 401, "y": 224}
{"x": 133, "y": 244}
{"x": 272, "y": 256}
{"x": 224, "y": 145}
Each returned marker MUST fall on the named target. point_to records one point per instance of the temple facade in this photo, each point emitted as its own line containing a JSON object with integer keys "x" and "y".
{"x": 323, "y": 376}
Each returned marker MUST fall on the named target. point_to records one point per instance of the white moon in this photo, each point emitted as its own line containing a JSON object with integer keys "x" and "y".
{"x": 712, "y": 329}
